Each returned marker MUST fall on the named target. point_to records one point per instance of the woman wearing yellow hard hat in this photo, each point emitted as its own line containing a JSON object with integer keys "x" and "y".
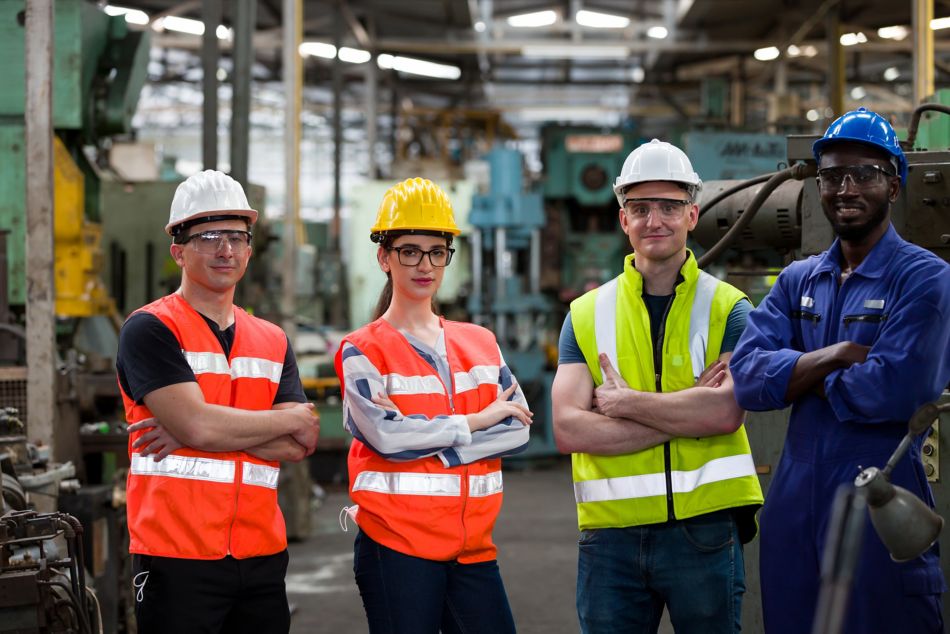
{"x": 432, "y": 407}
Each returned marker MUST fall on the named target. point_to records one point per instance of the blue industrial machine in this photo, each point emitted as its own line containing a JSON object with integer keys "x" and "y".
{"x": 506, "y": 285}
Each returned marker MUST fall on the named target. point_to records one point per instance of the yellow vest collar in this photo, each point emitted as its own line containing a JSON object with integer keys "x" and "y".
{"x": 689, "y": 272}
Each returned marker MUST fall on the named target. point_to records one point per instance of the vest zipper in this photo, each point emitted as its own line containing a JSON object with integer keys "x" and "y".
{"x": 658, "y": 370}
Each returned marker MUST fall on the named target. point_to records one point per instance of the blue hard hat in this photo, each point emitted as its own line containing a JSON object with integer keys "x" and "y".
{"x": 869, "y": 128}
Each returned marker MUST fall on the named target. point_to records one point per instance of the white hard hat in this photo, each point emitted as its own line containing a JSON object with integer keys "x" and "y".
{"x": 208, "y": 194}
{"x": 657, "y": 161}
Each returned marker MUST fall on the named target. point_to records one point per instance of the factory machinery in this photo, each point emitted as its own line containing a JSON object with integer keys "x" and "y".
{"x": 752, "y": 224}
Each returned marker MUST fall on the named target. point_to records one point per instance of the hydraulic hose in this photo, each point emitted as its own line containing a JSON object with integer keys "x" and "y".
{"x": 732, "y": 190}
{"x": 799, "y": 171}
{"x": 915, "y": 121}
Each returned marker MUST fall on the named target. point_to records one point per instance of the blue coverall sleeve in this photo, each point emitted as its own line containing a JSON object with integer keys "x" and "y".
{"x": 764, "y": 358}
{"x": 908, "y": 364}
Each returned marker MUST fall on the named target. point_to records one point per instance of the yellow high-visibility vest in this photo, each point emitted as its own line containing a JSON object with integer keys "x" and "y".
{"x": 703, "y": 474}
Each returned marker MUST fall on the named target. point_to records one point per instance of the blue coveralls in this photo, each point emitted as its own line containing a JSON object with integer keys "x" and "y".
{"x": 898, "y": 302}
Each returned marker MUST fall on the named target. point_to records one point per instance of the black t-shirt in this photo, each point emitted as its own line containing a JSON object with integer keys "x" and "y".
{"x": 150, "y": 358}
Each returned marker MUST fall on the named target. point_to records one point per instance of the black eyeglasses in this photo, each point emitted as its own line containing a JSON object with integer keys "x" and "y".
{"x": 667, "y": 208}
{"x": 412, "y": 256}
{"x": 212, "y": 242}
{"x": 832, "y": 178}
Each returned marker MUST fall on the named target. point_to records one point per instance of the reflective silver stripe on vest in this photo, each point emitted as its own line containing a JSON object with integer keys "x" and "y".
{"x": 699, "y": 321}
{"x": 260, "y": 475}
{"x": 408, "y": 483}
{"x": 207, "y": 362}
{"x": 478, "y": 375}
{"x": 254, "y": 368}
{"x": 399, "y": 384}
{"x": 480, "y": 486}
{"x": 188, "y": 467}
{"x": 605, "y": 321}
{"x": 628, "y": 487}
{"x": 240, "y": 368}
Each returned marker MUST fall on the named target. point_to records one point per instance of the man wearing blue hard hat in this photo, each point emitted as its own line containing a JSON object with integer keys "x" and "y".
{"x": 855, "y": 340}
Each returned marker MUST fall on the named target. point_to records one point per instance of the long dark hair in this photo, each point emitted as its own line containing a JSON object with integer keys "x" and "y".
{"x": 385, "y": 241}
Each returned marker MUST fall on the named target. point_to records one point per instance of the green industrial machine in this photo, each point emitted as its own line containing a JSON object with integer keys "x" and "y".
{"x": 581, "y": 231}
{"x": 99, "y": 67}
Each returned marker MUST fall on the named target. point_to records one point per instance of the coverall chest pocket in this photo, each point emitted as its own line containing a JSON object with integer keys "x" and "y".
{"x": 807, "y": 328}
{"x": 863, "y": 327}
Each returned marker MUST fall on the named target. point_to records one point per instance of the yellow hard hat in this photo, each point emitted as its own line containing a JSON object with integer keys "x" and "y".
{"x": 416, "y": 204}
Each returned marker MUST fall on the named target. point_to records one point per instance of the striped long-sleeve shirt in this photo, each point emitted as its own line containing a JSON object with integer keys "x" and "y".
{"x": 401, "y": 437}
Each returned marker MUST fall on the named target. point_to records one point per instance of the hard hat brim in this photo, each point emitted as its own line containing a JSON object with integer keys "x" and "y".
{"x": 250, "y": 214}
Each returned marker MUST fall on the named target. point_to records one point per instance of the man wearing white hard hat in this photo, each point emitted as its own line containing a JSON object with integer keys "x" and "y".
{"x": 214, "y": 403}
{"x": 664, "y": 481}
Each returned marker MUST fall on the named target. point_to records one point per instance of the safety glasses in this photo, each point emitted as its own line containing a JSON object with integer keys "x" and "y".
{"x": 213, "y": 242}
{"x": 832, "y": 178}
{"x": 667, "y": 208}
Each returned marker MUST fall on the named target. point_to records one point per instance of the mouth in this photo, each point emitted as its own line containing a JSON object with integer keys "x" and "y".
{"x": 423, "y": 281}
{"x": 848, "y": 211}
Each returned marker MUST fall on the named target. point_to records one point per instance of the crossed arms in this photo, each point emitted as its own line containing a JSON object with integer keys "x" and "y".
{"x": 614, "y": 419}
{"x": 289, "y": 431}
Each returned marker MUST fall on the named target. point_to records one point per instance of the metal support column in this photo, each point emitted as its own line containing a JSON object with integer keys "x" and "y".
{"x": 836, "y": 74}
{"x": 245, "y": 18}
{"x": 923, "y": 13}
{"x": 40, "y": 294}
{"x": 293, "y": 78}
{"x": 372, "y": 95}
{"x": 737, "y": 96}
{"x": 501, "y": 275}
{"x": 338, "y": 310}
{"x": 211, "y": 14}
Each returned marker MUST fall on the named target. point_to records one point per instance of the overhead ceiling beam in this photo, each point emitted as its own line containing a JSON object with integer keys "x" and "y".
{"x": 356, "y": 27}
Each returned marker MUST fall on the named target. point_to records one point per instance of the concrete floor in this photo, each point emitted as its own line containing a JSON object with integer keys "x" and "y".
{"x": 536, "y": 536}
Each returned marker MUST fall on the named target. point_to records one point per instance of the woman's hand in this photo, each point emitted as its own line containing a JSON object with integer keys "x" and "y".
{"x": 156, "y": 442}
{"x": 385, "y": 402}
{"x": 498, "y": 411}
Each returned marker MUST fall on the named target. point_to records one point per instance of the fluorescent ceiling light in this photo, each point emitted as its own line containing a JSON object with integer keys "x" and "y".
{"x": 415, "y": 66}
{"x": 354, "y": 55}
{"x": 850, "y": 39}
{"x": 564, "y": 113}
{"x": 812, "y": 115}
{"x": 638, "y": 74}
{"x": 533, "y": 20}
{"x": 657, "y": 32}
{"x": 858, "y": 93}
{"x": 479, "y": 26}
{"x": 318, "y": 49}
{"x": 189, "y": 26}
{"x": 575, "y": 51}
{"x": 809, "y": 51}
{"x": 766, "y": 54}
{"x": 597, "y": 20}
{"x": 890, "y": 74}
{"x": 132, "y": 16}
{"x": 793, "y": 51}
{"x": 896, "y": 32}
{"x": 939, "y": 23}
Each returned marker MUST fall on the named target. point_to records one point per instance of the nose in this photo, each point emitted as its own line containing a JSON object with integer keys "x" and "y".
{"x": 653, "y": 218}
{"x": 845, "y": 187}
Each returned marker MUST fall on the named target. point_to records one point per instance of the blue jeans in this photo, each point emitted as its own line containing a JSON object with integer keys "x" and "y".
{"x": 694, "y": 567}
{"x": 409, "y": 595}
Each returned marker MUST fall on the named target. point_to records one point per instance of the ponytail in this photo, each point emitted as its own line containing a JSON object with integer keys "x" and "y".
{"x": 385, "y": 298}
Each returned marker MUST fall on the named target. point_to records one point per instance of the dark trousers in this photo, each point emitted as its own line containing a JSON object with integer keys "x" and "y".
{"x": 409, "y": 595}
{"x": 229, "y": 595}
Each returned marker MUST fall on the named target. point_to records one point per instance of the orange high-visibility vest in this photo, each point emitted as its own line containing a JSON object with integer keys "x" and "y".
{"x": 200, "y": 504}
{"x": 420, "y": 507}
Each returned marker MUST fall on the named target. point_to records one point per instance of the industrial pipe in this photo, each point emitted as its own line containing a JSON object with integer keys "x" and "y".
{"x": 732, "y": 190}
{"x": 915, "y": 121}
{"x": 799, "y": 171}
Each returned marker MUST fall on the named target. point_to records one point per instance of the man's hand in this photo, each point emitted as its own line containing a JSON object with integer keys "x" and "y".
{"x": 713, "y": 376}
{"x": 308, "y": 423}
{"x": 156, "y": 442}
{"x": 609, "y": 396}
